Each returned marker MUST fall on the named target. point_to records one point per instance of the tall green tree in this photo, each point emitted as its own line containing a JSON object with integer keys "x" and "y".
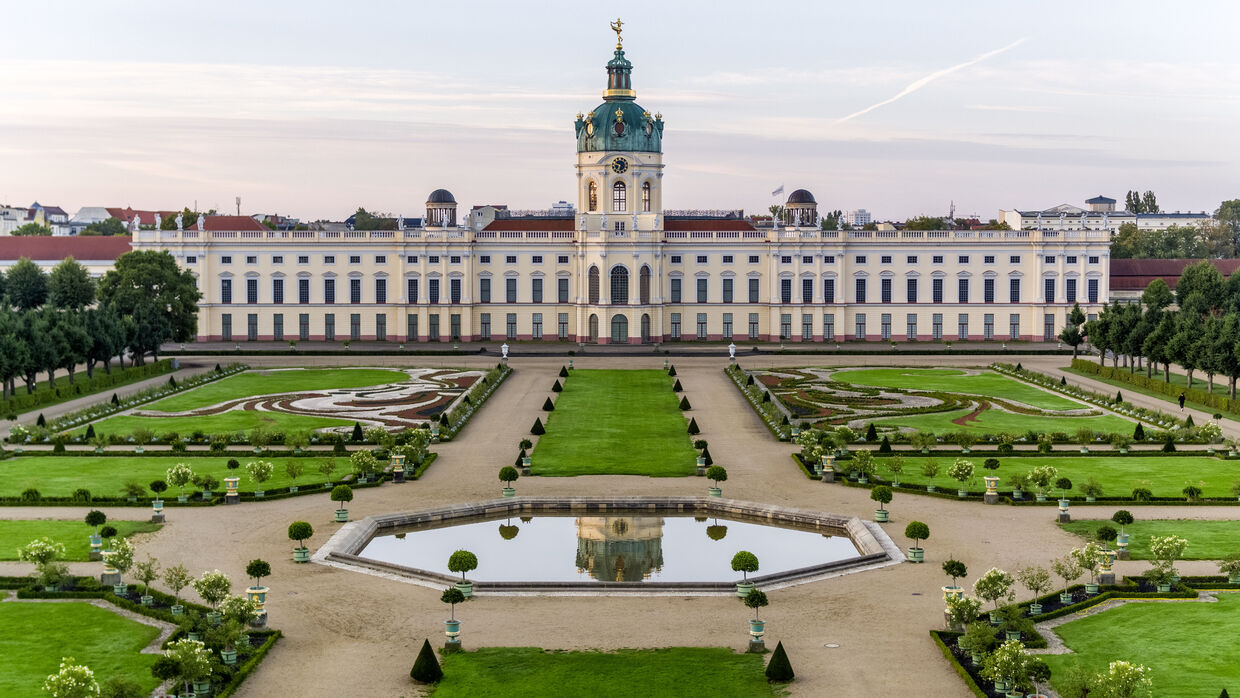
{"x": 1228, "y": 217}
{"x": 160, "y": 300}
{"x": 74, "y": 341}
{"x": 1183, "y": 348}
{"x": 924, "y": 223}
{"x": 1157, "y": 345}
{"x": 107, "y": 226}
{"x": 365, "y": 220}
{"x": 2, "y": 289}
{"x": 27, "y": 285}
{"x": 1071, "y": 333}
{"x": 69, "y": 286}
{"x": 1157, "y": 296}
{"x": 107, "y": 335}
{"x": 1201, "y": 289}
{"x": 30, "y": 229}
{"x": 14, "y": 353}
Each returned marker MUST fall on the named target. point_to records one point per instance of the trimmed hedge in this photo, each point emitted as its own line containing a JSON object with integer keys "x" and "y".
{"x": 965, "y": 676}
{"x": 1157, "y": 385}
{"x": 83, "y": 386}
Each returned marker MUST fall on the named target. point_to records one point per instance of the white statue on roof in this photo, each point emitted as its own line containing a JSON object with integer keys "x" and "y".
{"x": 135, "y": 222}
{"x": 180, "y": 218}
{"x": 1083, "y": 226}
{"x": 1039, "y": 220}
{"x": 159, "y": 222}
{"x": 202, "y": 222}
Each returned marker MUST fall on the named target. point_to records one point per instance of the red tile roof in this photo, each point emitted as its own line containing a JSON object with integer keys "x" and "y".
{"x": 531, "y": 224}
{"x": 1136, "y": 274}
{"x": 46, "y": 247}
{"x": 229, "y": 223}
{"x": 148, "y": 217}
{"x": 706, "y": 224}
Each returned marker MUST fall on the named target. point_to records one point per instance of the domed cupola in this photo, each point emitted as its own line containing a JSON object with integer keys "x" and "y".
{"x": 441, "y": 209}
{"x": 619, "y": 123}
{"x": 801, "y": 209}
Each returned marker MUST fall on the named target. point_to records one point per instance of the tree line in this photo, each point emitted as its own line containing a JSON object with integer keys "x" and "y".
{"x": 59, "y": 320}
{"x": 1217, "y": 238}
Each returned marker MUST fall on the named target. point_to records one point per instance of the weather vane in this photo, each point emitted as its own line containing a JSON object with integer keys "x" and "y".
{"x": 617, "y": 26}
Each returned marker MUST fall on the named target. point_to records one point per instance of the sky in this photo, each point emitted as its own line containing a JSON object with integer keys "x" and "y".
{"x": 311, "y": 109}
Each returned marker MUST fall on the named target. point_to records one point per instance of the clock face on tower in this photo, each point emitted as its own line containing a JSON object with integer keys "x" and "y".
{"x": 619, "y": 165}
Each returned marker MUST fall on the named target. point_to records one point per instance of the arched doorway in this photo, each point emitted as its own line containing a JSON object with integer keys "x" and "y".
{"x": 645, "y": 328}
{"x": 643, "y": 285}
{"x": 619, "y": 329}
{"x": 593, "y": 328}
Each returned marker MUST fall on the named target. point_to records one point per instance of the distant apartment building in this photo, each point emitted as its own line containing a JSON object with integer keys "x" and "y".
{"x": 1100, "y": 215}
{"x": 858, "y": 217}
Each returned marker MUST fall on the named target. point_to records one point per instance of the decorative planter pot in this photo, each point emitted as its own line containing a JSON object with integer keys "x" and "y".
{"x": 193, "y": 636}
{"x": 931, "y": 488}
{"x": 260, "y": 494}
{"x": 1039, "y": 497}
{"x": 508, "y": 491}
{"x": 467, "y": 588}
{"x": 715, "y": 492}
{"x": 301, "y": 554}
{"x": 1089, "y": 498}
{"x": 880, "y": 515}
{"x": 1234, "y": 579}
{"x": 1164, "y": 587}
{"x": 952, "y": 593}
{"x": 229, "y": 656}
{"x": 182, "y": 498}
{"x": 292, "y": 489}
{"x": 452, "y": 628}
{"x": 1035, "y": 609}
{"x": 916, "y": 554}
{"x": 138, "y": 450}
{"x": 342, "y": 515}
{"x": 1063, "y": 506}
{"x": 863, "y": 480}
{"x": 1091, "y": 589}
{"x": 1018, "y": 495}
{"x": 1011, "y": 634}
{"x": 976, "y": 658}
{"x": 1065, "y": 598}
{"x": 743, "y": 589}
{"x": 994, "y": 618}
{"x": 206, "y": 494}
{"x": 1121, "y": 541}
{"x": 1001, "y": 686}
{"x": 147, "y": 600}
{"x": 120, "y": 589}
{"x": 1123, "y": 449}
{"x": 202, "y": 688}
{"x": 757, "y": 628}
{"x": 178, "y": 610}
{"x": 257, "y": 595}
{"x": 214, "y": 618}
{"x": 962, "y": 493}
{"x": 1084, "y": 449}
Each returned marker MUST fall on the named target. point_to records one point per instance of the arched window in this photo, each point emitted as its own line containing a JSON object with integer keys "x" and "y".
{"x": 593, "y": 328}
{"x": 646, "y": 197}
{"x": 619, "y": 286}
{"x": 593, "y": 196}
{"x": 594, "y": 284}
{"x": 645, "y": 328}
{"x": 619, "y": 197}
{"x": 643, "y": 285}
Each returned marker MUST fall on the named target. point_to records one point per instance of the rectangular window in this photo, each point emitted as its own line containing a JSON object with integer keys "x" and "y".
{"x": 937, "y": 259}
{"x": 381, "y": 290}
{"x": 962, "y": 259}
{"x": 859, "y": 291}
{"x": 484, "y": 290}
{"x": 807, "y": 259}
{"x": 279, "y": 259}
{"x": 355, "y": 259}
{"x": 988, "y": 326}
{"x": 962, "y": 330}
{"x": 962, "y": 290}
{"x": 884, "y": 327}
{"x": 753, "y": 259}
{"x": 884, "y": 290}
{"x": 381, "y": 327}
{"x": 675, "y": 290}
{"x": 226, "y": 290}
{"x": 1049, "y": 259}
{"x": 536, "y": 328}
{"x": 380, "y": 259}
{"x": 454, "y": 291}
{"x": 1013, "y": 327}
{"x": 303, "y": 291}
{"x": 412, "y": 321}
{"x": 454, "y": 327}
{"x": 785, "y": 326}
{"x": 484, "y": 259}
{"x": 1093, "y": 260}
{"x": 785, "y": 290}
{"x": 484, "y": 327}
{"x": 508, "y": 259}
{"x": 860, "y": 259}
{"x": 911, "y": 259}
{"x": 536, "y": 290}
{"x": 562, "y": 320}
{"x": 859, "y": 329}
{"x": 251, "y": 259}
{"x": 411, "y": 290}
{"x": 251, "y": 329}
{"x": 329, "y": 327}
{"x": 675, "y": 327}
{"x": 1014, "y": 259}
{"x": 1071, "y": 259}
{"x": 355, "y": 291}
{"x": 433, "y": 259}
{"x": 1048, "y": 327}
{"x": 727, "y": 326}
{"x": 828, "y": 290}
{"x": 807, "y": 328}
{"x": 828, "y": 327}
{"x": 910, "y": 327}
{"x": 1069, "y": 290}
{"x": 277, "y": 291}
{"x": 561, "y": 259}
{"x": 701, "y": 290}
{"x": 754, "y": 285}
{"x": 226, "y": 327}
{"x": 1048, "y": 290}
{"x": 432, "y": 332}
{"x": 701, "y": 325}
{"x": 885, "y": 259}
{"x": 1013, "y": 290}
{"x": 676, "y": 259}
{"x": 701, "y": 259}
{"x": 828, "y": 259}
{"x": 1091, "y": 286}
{"x": 807, "y": 290}
{"x": 433, "y": 292}
{"x": 191, "y": 259}
{"x": 303, "y": 326}
{"x": 988, "y": 290}
{"x": 226, "y": 259}
{"x": 510, "y": 290}
{"x": 413, "y": 259}
{"x": 988, "y": 259}
{"x": 753, "y": 325}
{"x": 936, "y": 326}
{"x": 251, "y": 291}
{"x": 727, "y": 259}
{"x": 785, "y": 259}
{"x": 910, "y": 292}
{"x": 936, "y": 290}
{"x": 331, "y": 259}
{"x": 727, "y": 290}
{"x": 512, "y": 326}
{"x": 536, "y": 259}
{"x": 355, "y": 326}
{"x": 562, "y": 289}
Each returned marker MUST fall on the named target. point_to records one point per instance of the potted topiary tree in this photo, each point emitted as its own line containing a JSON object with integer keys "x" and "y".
{"x": 1123, "y": 517}
{"x": 882, "y": 495}
{"x": 1165, "y": 550}
{"x": 962, "y": 472}
{"x": 1231, "y": 568}
{"x": 213, "y": 587}
{"x": 930, "y": 470}
{"x": 716, "y": 474}
{"x": 1086, "y": 557}
{"x": 120, "y": 557}
{"x": 257, "y": 594}
{"x": 188, "y": 663}
{"x": 744, "y": 562}
{"x": 508, "y": 475}
{"x": 895, "y": 465}
{"x": 956, "y": 570}
{"x": 966, "y": 439}
{"x": 294, "y": 469}
{"x": 1041, "y": 477}
{"x": 452, "y": 627}
{"x": 994, "y": 586}
{"x": 756, "y": 599}
{"x": 96, "y": 519}
{"x": 157, "y": 504}
{"x": 1038, "y": 581}
{"x": 916, "y": 531}
{"x": 364, "y": 464}
{"x": 1018, "y": 482}
{"x": 300, "y": 531}
{"x": 179, "y": 476}
{"x": 463, "y": 561}
{"x": 961, "y": 611}
{"x": 1063, "y": 484}
{"x": 260, "y": 472}
{"x": 1066, "y": 569}
{"x": 146, "y": 571}
{"x": 978, "y": 640}
{"x": 177, "y": 578}
{"x": 1006, "y": 666}
{"x": 342, "y": 494}
{"x": 327, "y": 466}
{"x": 45, "y": 554}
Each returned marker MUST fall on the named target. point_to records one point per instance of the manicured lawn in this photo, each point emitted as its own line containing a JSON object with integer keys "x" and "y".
{"x": 1190, "y": 648}
{"x": 986, "y": 384}
{"x": 1165, "y": 477}
{"x": 228, "y": 422}
{"x": 705, "y": 672}
{"x": 616, "y": 423}
{"x": 37, "y": 635}
{"x": 71, "y": 534}
{"x": 59, "y": 476}
{"x": 996, "y": 421}
{"x": 1207, "y": 540}
{"x": 267, "y": 382}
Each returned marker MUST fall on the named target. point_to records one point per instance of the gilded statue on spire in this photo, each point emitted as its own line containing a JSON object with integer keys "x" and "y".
{"x": 617, "y": 27}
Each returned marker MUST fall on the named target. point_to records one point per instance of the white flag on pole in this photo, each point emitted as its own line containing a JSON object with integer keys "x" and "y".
{"x": 778, "y": 191}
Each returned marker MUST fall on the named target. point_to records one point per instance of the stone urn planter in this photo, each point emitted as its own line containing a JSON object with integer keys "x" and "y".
{"x": 743, "y": 589}
{"x": 1164, "y": 587}
{"x": 178, "y": 610}
{"x": 701, "y": 465}
{"x": 1011, "y": 635}
{"x": 757, "y": 628}
{"x": 147, "y": 600}
{"x": 1065, "y": 598}
{"x": 202, "y": 688}
{"x": 1091, "y": 589}
{"x": 508, "y": 491}
{"x": 301, "y": 554}
{"x": 962, "y": 493}
{"x": 916, "y": 554}
{"x": 881, "y": 515}
{"x": 951, "y": 593}
{"x": 1035, "y": 609}
{"x": 342, "y": 516}
{"x": 715, "y": 491}
{"x": 466, "y": 588}
{"x": 452, "y": 628}
{"x": 1234, "y": 579}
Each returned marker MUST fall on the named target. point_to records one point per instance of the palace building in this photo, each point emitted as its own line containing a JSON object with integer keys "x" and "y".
{"x": 622, "y": 269}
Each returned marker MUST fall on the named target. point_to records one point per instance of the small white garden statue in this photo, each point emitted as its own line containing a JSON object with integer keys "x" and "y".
{"x": 503, "y": 348}
{"x": 732, "y": 352}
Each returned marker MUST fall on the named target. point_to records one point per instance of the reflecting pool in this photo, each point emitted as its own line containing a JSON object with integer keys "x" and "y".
{"x": 609, "y": 548}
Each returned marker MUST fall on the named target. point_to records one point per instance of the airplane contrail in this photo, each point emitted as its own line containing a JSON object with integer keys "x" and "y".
{"x": 922, "y": 82}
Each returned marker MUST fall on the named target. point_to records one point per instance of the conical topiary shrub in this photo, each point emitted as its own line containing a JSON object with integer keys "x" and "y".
{"x": 693, "y": 427}
{"x": 1189, "y": 422}
{"x": 41, "y": 421}
{"x": 357, "y": 432}
{"x": 1119, "y": 396}
{"x": 885, "y": 446}
{"x": 779, "y": 668}
{"x": 749, "y": 380}
{"x": 537, "y": 429}
{"x": 520, "y": 457}
{"x": 548, "y": 405}
{"x": 1139, "y": 433}
{"x": 556, "y": 387}
{"x": 426, "y": 667}
{"x": 676, "y": 388}
{"x": 871, "y": 434}
{"x": 706, "y": 455}
{"x": 684, "y": 403}
{"x": 443, "y": 419}
{"x": 90, "y": 431}
{"x": 766, "y": 397}
{"x": 672, "y": 371}
{"x": 563, "y": 372}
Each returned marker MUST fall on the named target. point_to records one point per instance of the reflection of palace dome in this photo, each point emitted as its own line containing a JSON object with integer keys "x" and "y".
{"x": 619, "y": 548}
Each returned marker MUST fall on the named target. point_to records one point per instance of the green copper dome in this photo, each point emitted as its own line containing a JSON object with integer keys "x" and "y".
{"x": 619, "y": 123}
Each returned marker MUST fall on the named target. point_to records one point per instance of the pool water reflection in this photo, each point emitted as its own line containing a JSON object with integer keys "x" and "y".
{"x": 609, "y": 548}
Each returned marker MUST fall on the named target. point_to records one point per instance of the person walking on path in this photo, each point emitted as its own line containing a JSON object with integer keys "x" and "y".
{"x": 1181, "y": 402}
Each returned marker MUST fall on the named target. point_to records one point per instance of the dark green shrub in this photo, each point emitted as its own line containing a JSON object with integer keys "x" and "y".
{"x": 706, "y": 455}
{"x": 233, "y": 464}
{"x": 1169, "y": 445}
{"x": 871, "y": 434}
{"x": 115, "y": 400}
{"x": 1119, "y": 396}
{"x": 96, "y": 518}
{"x": 684, "y": 403}
{"x": 676, "y": 387}
{"x": 749, "y": 380}
{"x": 563, "y": 372}
{"x": 1006, "y": 449}
{"x": 443, "y": 419}
{"x": 556, "y": 387}
{"x": 172, "y": 382}
{"x": 426, "y": 667}
{"x": 81, "y": 495}
{"x": 1063, "y": 380}
{"x": 766, "y": 397}
{"x": 357, "y": 432}
{"x": 41, "y": 421}
{"x": 520, "y": 457}
{"x": 31, "y": 495}
{"x": 300, "y": 531}
{"x": 537, "y": 429}
{"x": 338, "y": 448}
{"x": 1142, "y": 494}
{"x": 1189, "y": 422}
{"x": 121, "y": 687}
{"x": 1138, "y": 434}
{"x": 693, "y": 427}
{"x": 548, "y": 406}
{"x": 672, "y": 371}
{"x": 342, "y": 494}
{"x": 779, "y": 669}
{"x": 90, "y": 431}
{"x": 991, "y": 464}
{"x": 885, "y": 446}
